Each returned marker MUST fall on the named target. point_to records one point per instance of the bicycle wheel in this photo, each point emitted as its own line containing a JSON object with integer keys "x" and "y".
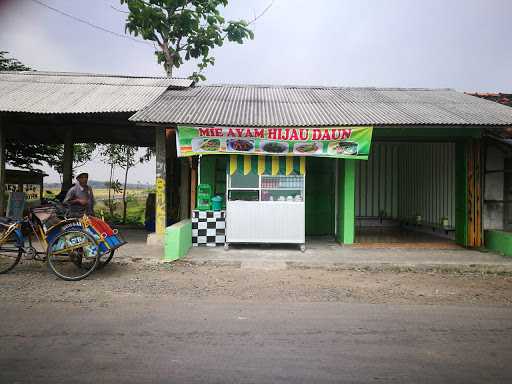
{"x": 105, "y": 259}
{"x": 73, "y": 255}
{"x": 10, "y": 252}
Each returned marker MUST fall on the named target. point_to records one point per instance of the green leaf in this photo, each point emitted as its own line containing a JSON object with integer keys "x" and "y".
{"x": 196, "y": 25}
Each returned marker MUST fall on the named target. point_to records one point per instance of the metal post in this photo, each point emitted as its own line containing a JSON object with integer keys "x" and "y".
{"x": 2, "y": 168}
{"x": 160, "y": 206}
{"x": 67, "y": 169}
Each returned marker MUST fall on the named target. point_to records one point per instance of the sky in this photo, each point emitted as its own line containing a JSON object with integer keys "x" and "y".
{"x": 460, "y": 44}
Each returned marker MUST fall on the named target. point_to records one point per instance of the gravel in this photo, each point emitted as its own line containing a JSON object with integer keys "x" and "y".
{"x": 32, "y": 283}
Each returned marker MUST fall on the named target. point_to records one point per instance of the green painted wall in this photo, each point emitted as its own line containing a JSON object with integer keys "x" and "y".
{"x": 213, "y": 172}
{"x": 320, "y": 203}
{"x": 208, "y": 170}
{"x": 499, "y": 241}
{"x": 178, "y": 240}
{"x": 220, "y": 175}
{"x": 461, "y": 195}
{"x": 346, "y": 201}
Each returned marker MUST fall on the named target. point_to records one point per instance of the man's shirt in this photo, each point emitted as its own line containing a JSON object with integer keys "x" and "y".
{"x": 79, "y": 192}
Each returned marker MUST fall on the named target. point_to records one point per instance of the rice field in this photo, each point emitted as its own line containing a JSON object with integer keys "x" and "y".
{"x": 136, "y": 204}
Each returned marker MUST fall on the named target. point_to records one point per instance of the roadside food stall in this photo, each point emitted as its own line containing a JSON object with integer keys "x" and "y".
{"x": 265, "y": 178}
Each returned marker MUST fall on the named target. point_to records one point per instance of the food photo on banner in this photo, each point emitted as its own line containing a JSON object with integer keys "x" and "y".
{"x": 338, "y": 142}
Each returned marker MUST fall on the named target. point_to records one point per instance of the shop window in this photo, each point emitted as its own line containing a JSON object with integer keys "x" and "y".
{"x": 244, "y": 195}
{"x": 253, "y": 187}
{"x": 239, "y": 180}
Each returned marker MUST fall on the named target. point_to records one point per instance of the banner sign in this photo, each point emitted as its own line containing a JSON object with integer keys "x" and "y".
{"x": 340, "y": 142}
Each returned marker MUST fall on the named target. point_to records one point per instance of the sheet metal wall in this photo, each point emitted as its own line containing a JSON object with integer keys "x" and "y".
{"x": 406, "y": 179}
{"x": 377, "y": 182}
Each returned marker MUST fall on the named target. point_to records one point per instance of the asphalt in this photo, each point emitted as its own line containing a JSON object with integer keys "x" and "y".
{"x": 167, "y": 341}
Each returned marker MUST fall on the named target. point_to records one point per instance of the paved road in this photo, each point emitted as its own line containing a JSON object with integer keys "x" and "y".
{"x": 165, "y": 341}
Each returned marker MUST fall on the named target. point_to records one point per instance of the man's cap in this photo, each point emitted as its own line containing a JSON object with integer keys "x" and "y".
{"x": 82, "y": 174}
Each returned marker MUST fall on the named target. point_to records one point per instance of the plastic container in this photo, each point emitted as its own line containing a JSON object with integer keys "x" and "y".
{"x": 217, "y": 203}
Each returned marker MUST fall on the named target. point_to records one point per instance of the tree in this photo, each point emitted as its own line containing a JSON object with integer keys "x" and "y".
{"x": 184, "y": 30}
{"x": 11, "y": 64}
{"x": 130, "y": 161}
{"x": 119, "y": 156}
{"x": 82, "y": 153}
{"x": 113, "y": 154}
{"x": 27, "y": 156}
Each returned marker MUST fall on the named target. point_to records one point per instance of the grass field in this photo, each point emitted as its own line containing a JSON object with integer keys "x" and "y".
{"x": 136, "y": 205}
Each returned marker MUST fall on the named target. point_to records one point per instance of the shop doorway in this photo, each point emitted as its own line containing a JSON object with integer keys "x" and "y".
{"x": 405, "y": 194}
{"x": 320, "y": 199}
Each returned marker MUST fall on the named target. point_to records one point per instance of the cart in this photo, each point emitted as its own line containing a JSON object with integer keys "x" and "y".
{"x": 72, "y": 247}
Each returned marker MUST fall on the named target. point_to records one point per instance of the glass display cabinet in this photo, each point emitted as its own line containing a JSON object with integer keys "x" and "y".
{"x": 265, "y": 209}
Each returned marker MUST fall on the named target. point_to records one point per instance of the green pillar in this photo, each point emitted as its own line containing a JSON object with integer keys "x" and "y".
{"x": 346, "y": 201}
{"x": 461, "y": 194}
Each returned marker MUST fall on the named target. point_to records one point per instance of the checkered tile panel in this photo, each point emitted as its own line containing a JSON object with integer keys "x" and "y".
{"x": 208, "y": 228}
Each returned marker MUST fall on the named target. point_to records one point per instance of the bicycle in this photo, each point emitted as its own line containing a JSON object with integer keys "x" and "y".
{"x": 73, "y": 247}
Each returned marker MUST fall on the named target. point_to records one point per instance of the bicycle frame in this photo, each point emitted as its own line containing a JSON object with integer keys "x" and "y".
{"x": 14, "y": 227}
{"x": 36, "y": 229}
{"x": 5, "y": 234}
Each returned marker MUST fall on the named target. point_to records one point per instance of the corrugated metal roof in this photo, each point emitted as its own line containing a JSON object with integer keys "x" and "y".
{"x": 264, "y": 106}
{"x": 57, "y": 92}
